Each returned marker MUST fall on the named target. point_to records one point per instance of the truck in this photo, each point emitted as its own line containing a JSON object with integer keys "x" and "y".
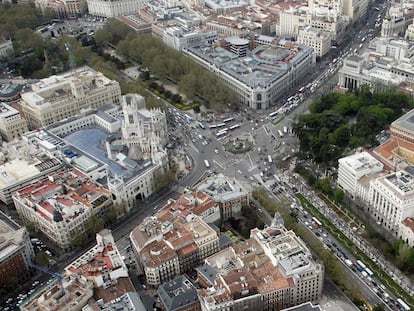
{"x": 280, "y": 133}
{"x": 285, "y": 129}
{"x": 206, "y": 164}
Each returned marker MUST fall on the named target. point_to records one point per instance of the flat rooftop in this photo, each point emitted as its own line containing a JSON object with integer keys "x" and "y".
{"x": 405, "y": 122}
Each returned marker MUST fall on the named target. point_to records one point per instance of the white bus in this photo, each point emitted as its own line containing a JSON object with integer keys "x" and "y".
{"x": 201, "y": 125}
{"x": 285, "y": 129}
{"x": 280, "y": 133}
{"x": 403, "y": 304}
{"x": 269, "y": 158}
{"x": 233, "y": 127}
{"x": 273, "y": 114}
{"x": 206, "y": 164}
{"x": 221, "y": 125}
{"x": 228, "y": 120}
{"x": 221, "y": 134}
{"x": 369, "y": 272}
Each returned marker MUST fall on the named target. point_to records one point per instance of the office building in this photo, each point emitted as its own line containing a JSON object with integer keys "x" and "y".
{"x": 63, "y": 96}
{"x": 112, "y": 9}
{"x": 315, "y": 38}
{"x": 352, "y": 168}
{"x": 261, "y": 78}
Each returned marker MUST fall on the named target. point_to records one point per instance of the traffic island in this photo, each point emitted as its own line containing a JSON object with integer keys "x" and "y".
{"x": 238, "y": 145}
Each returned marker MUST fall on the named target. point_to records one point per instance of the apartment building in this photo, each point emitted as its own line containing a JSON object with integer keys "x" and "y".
{"x": 228, "y": 193}
{"x": 102, "y": 264}
{"x": 61, "y": 205}
{"x": 112, "y": 9}
{"x": 63, "y": 96}
{"x": 172, "y": 242}
{"x": 12, "y": 124}
{"x": 16, "y": 252}
{"x": 406, "y": 231}
{"x": 63, "y": 8}
{"x": 261, "y": 78}
{"x": 315, "y": 38}
{"x": 270, "y": 271}
{"x": 352, "y": 168}
{"x": 179, "y": 294}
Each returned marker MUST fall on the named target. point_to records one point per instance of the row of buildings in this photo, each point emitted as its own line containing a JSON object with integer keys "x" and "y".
{"x": 387, "y": 64}
{"x": 382, "y": 181}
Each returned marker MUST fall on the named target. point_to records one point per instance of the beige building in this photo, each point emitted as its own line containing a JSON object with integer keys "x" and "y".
{"x": 61, "y": 205}
{"x": 58, "y": 97}
{"x": 172, "y": 242}
{"x": 270, "y": 271}
{"x": 12, "y": 125}
{"x": 228, "y": 193}
{"x": 114, "y": 8}
{"x": 315, "y": 38}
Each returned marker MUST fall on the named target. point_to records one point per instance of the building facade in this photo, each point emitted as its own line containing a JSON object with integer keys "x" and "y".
{"x": 16, "y": 253}
{"x": 63, "y": 96}
{"x": 277, "y": 69}
{"x": 12, "y": 124}
{"x": 112, "y": 9}
{"x": 61, "y": 205}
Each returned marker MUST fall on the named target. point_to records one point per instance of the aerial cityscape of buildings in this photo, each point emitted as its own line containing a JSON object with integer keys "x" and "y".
{"x": 75, "y": 149}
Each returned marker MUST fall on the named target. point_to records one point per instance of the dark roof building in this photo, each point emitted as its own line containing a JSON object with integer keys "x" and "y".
{"x": 179, "y": 294}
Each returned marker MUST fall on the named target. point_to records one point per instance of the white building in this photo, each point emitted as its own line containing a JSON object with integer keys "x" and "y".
{"x": 179, "y": 39}
{"x": 358, "y": 70}
{"x": 315, "y": 38}
{"x": 112, "y": 9}
{"x": 352, "y": 168}
{"x": 60, "y": 205}
{"x": 391, "y": 199}
{"x": 58, "y": 97}
{"x": 355, "y": 9}
{"x": 12, "y": 125}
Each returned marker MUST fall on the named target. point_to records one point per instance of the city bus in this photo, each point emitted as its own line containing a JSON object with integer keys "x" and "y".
{"x": 360, "y": 265}
{"x": 403, "y": 305}
{"x": 212, "y": 127}
{"x": 269, "y": 158}
{"x": 221, "y": 125}
{"x": 369, "y": 272}
{"x": 233, "y": 127}
{"x": 228, "y": 120}
{"x": 206, "y": 164}
{"x": 316, "y": 222}
{"x": 189, "y": 118}
{"x": 280, "y": 133}
{"x": 221, "y": 134}
{"x": 273, "y": 114}
{"x": 200, "y": 125}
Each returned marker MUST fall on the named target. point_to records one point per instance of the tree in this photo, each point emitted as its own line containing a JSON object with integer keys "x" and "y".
{"x": 163, "y": 180}
{"x": 41, "y": 259}
{"x": 378, "y": 307}
{"x": 338, "y": 196}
